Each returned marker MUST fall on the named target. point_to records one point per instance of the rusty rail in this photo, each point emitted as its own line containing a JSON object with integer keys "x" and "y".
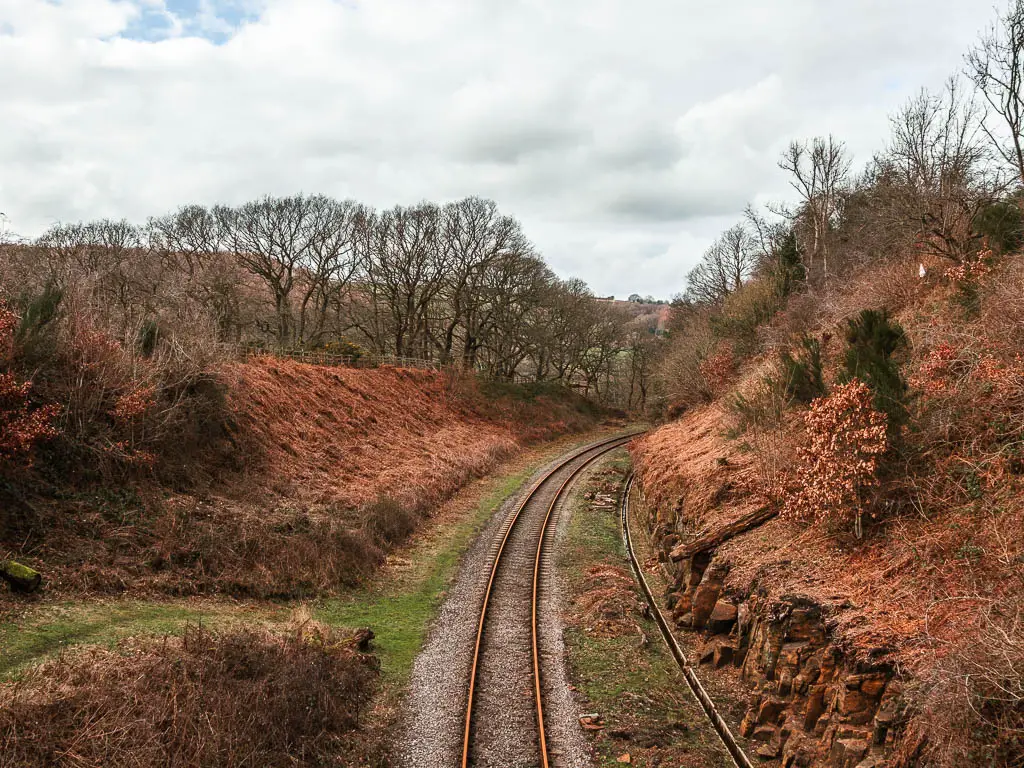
{"x": 705, "y": 701}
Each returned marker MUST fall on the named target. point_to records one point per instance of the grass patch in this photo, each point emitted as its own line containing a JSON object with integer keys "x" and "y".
{"x": 398, "y": 607}
{"x": 54, "y": 629}
{"x": 399, "y": 610}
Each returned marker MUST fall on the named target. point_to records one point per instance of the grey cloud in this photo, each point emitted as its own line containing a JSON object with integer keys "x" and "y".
{"x": 657, "y": 204}
{"x": 515, "y": 141}
{"x": 624, "y": 134}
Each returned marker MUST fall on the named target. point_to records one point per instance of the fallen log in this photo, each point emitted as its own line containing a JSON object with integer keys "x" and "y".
{"x": 723, "y": 534}
{"x": 20, "y": 577}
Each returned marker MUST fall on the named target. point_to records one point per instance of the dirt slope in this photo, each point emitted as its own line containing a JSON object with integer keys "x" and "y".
{"x": 318, "y": 473}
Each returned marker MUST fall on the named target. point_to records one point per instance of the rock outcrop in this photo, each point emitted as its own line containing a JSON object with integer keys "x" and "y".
{"x": 811, "y": 704}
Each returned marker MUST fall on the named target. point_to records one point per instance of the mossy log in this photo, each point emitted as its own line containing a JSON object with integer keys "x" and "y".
{"x": 20, "y": 577}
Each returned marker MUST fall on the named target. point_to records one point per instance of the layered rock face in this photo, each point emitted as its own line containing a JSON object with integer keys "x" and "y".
{"x": 811, "y": 704}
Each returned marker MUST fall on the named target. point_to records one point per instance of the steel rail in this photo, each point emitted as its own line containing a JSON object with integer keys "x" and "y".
{"x": 705, "y": 701}
{"x": 598, "y": 450}
{"x": 536, "y": 589}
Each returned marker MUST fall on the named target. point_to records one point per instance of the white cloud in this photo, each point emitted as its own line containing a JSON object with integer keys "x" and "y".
{"x": 623, "y": 134}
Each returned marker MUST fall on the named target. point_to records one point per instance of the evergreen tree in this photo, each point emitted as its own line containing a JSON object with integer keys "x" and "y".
{"x": 873, "y": 340}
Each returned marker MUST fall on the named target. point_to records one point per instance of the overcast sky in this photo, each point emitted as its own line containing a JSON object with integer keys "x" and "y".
{"x": 625, "y": 134}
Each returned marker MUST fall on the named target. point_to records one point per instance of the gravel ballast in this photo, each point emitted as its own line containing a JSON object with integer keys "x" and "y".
{"x": 504, "y": 721}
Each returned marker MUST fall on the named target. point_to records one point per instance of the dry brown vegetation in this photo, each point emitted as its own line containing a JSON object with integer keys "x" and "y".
{"x": 142, "y": 455}
{"x": 242, "y": 698}
{"x": 935, "y": 585}
{"x": 317, "y": 472}
{"x": 163, "y": 459}
{"x": 877, "y": 333}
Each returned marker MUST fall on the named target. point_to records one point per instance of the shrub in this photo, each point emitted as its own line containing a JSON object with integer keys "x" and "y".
{"x": 718, "y": 370}
{"x": 38, "y": 320}
{"x": 802, "y": 375}
{"x": 743, "y": 313}
{"x": 238, "y": 698}
{"x": 788, "y": 272}
{"x": 873, "y": 340}
{"x": 681, "y": 378}
{"x": 762, "y": 406}
{"x": 1001, "y": 224}
{"x": 127, "y": 399}
{"x": 276, "y": 553}
{"x": 148, "y": 336}
{"x": 846, "y": 436}
{"x": 966, "y": 275}
{"x": 760, "y": 415}
{"x": 343, "y": 347}
{"x": 388, "y": 521}
{"x": 971, "y": 704}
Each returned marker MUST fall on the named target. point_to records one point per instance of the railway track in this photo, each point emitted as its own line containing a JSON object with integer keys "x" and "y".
{"x": 511, "y": 606}
{"x": 736, "y": 752}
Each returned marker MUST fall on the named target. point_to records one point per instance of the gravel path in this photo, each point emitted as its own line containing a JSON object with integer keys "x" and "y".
{"x": 504, "y": 732}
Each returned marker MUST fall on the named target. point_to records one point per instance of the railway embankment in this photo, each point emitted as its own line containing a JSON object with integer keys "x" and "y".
{"x": 320, "y": 536}
{"x": 823, "y": 649}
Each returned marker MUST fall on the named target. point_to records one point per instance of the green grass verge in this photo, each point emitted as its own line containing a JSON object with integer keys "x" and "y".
{"x": 54, "y": 629}
{"x": 398, "y": 605}
{"x": 400, "y": 610}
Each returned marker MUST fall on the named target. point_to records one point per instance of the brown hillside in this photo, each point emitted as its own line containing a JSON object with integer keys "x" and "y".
{"x": 320, "y": 471}
{"x": 932, "y": 591}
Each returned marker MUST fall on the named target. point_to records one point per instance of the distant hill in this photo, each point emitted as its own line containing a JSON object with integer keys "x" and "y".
{"x": 653, "y": 314}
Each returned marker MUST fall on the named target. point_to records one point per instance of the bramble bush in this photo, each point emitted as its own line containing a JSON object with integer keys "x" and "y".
{"x": 846, "y": 437}
{"x": 21, "y": 425}
{"x": 128, "y": 393}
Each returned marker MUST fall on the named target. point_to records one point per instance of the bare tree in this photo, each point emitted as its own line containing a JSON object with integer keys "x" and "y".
{"x": 108, "y": 261}
{"x": 329, "y": 263}
{"x": 604, "y": 337}
{"x": 459, "y": 282}
{"x": 192, "y": 242}
{"x": 480, "y": 242}
{"x": 269, "y": 239}
{"x": 190, "y": 236}
{"x": 819, "y": 171}
{"x": 503, "y": 310}
{"x": 768, "y": 235}
{"x": 403, "y": 271}
{"x": 996, "y": 66}
{"x": 940, "y": 166}
{"x": 723, "y": 268}
{"x": 512, "y": 328}
{"x": 644, "y": 346}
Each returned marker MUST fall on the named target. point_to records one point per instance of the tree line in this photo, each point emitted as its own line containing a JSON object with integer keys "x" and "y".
{"x": 947, "y": 187}
{"x": 458, "y": 283}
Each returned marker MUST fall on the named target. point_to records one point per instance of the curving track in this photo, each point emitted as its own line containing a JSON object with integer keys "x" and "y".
{"x": 504, "y": 721}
